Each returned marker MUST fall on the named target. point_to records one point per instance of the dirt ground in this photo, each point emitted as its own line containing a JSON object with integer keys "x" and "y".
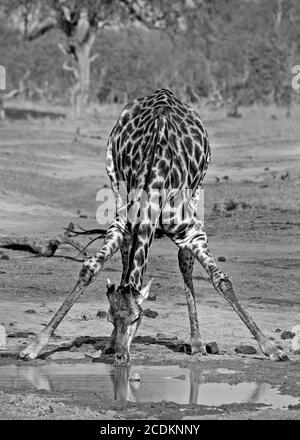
{"x": 252, "y": 193}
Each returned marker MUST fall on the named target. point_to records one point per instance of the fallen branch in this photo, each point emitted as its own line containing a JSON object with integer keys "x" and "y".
{"x": 42, "y": 246}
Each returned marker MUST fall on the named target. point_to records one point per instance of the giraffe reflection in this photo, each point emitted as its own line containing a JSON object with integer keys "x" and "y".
{"x": 198, "y": 390}
{"x": 124, "y": 388}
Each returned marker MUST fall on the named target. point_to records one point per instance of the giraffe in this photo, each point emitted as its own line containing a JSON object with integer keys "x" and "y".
{"x": 159, "y": 151}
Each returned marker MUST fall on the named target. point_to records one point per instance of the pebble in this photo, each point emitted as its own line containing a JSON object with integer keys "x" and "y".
{"x": 245, "y": 349}
{"x": 287, "y": 335}
{"x": 212, "y": 348}
{"x": 4, "y": 257}
{"x": 101, "y": 314}
{"x": 150, "y": 313}
{"x": 221, "y": 258}
{"x": 30, "y": 311}
{"x": 94, "y": 354}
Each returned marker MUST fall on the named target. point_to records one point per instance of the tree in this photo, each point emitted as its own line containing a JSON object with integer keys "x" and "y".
{"x": 81, "y": 20}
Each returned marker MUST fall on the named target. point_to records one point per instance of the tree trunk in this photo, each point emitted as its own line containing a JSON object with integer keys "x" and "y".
{"x": 2, "y": 113}
{"x": 81, "y": 98}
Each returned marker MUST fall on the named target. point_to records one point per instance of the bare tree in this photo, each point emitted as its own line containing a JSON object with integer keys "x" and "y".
{"x": 81, "y": 21}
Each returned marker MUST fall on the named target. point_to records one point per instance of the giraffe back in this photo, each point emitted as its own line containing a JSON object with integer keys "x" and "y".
{"x": 182, "y": 151}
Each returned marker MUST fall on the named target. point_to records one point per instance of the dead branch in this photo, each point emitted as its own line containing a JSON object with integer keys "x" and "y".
{"x": 94, "y": 57}
{"x": 72, "y": 69}
{"x": 40, "y": 29}
{"x": 42, "y": 246}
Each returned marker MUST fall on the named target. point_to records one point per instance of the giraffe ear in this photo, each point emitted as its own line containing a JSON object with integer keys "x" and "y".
{"x": 144, "y": 293}
{"x": 110, "y": 288}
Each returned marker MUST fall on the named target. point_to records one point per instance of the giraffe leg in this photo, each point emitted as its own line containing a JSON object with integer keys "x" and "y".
{"x": 186, "y": 264}
{"x": 110, "y": 346}
{"x": 125, "y": 256}
{"x": 194, "y": 239}
{"x": 91, "y": 268}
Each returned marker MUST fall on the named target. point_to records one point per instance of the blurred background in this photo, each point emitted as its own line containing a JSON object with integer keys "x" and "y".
{"x": 212, "y": 53}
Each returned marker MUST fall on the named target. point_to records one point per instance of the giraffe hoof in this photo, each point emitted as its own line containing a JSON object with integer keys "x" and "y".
{"x": 274, "y": 353}
{"x": 279, "y": 356}
{"x": 33, "y": 350}
{"x": 27, "y": 354}
{"x": 199, "y": 350}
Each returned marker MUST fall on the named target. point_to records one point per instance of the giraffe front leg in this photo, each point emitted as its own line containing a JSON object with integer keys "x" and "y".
{"x": 186, "y": 264}
{"x": 91, "y": 268}
{"x": 194, "y": 239}
{"x": 110, "y": 346}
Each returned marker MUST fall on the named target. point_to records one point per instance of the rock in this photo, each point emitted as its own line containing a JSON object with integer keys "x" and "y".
{"x": 212, "y": 348}
{"x": 150, "y": 313}
{"x": 278, "y": 330}
{"x": 287, "y": 335}
{"x": 101, "y": 314}
{"x": 30, "y": 311}
{"x": 134, "y": 377}
{"x": 4, "y": 257}
{"x": 245, "y": 349}
{"x": 94, "y": 354}
{"x": 221, "y": 258}
{"x": 86, "y": 316}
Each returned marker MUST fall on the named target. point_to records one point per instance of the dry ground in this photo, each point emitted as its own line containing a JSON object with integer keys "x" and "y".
{"x": 252, "y": 196}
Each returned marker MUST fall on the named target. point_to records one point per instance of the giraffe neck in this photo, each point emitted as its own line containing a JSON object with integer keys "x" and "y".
{"x": 143, "y": 225}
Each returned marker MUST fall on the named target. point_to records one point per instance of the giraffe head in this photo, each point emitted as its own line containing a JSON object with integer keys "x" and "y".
{"x": 125, "y": 313}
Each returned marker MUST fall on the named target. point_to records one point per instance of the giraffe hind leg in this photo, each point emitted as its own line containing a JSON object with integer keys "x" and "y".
{"x": 186, "y": 264}
{"x": 194, "y": 239}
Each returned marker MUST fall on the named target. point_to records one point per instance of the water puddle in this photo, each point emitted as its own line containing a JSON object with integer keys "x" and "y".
{"x": 157, "y": 383}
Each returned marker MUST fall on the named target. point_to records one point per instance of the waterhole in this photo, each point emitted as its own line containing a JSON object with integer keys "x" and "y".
{"x": 157, "y": 383}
